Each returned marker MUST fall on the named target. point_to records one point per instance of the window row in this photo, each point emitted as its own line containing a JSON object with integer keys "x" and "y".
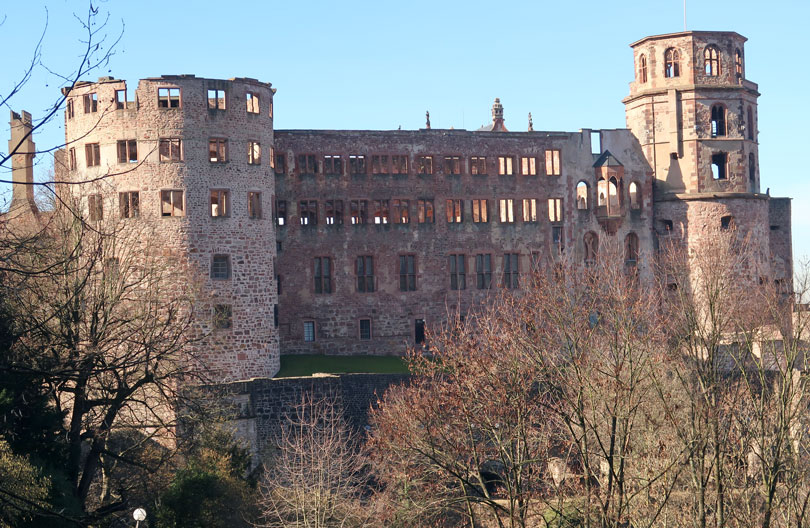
{"x": 363, "y": 330}
{"x": 719, "y": 125}
{"x": 172, "y": 203}
{"x": 388, "y": 164}
{"x": 672, "y": 63}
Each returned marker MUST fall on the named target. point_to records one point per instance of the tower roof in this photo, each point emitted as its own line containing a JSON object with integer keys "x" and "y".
{"x": 687, "y": 34}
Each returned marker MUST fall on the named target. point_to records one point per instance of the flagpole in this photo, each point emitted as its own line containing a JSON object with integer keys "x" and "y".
{"x": 684, "y": 15}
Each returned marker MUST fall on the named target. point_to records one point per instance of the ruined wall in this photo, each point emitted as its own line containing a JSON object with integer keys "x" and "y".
{"x": 780, "y": 238}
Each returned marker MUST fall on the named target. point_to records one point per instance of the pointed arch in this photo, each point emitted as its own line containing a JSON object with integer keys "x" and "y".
{"x": 672, "y": 63}
{"x": 711, "y": 61}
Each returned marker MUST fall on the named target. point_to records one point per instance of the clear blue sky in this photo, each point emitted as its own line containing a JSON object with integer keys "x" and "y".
{"x": 380, "y": 65}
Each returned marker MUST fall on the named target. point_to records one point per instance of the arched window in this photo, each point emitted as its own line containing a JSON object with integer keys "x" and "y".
{"x": 635, "y": 196}
{"x": 613, "y": 196}
{"x": 591, "y": 242}
{"x": 750, "y": 123}
{"x": 642, "y": 68}
{"x": 631, "y": 249}
{"x": 752, "y": 170}
{"x": 672, "y": 63}
{"x": 738, "y": 62}
{"x": 718, "y": 120}
{"x": 582, "y": 195}
{"x": 711, "y": 61}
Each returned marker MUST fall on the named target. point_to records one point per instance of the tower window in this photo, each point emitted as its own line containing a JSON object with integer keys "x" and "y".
{"x": 738, "y": 65}
{"x": 711, "y": 61}
{"x": 216, "y": 99}
{"x": 642, "y": 69}
{"x": 750, "y": 123}
{"x": 726, "y": 223}
{"x": 672, "y": 63}
{"x": 633, "y": 191}
{"x": 752, "y": 169}
{"x": 718, "y": 120}
{"x": 719, "y": 163}
{"x": 582, "y": 196}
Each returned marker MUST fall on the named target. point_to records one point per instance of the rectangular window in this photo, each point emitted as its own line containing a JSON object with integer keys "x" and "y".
{"x": 553, "y": 163}
{"x": 359, "y": 211}
{"x": 507, "y": 211}
{"x": 357, "y": 164}
{"x": 333, "y": 165}
{"x": 309, "y": 331}
{"x": 129, "y": 204}
{"x": 458, "y": 272}
{"x": 252, "y": 103}
{"x": 555, "y": 210}
{"x": 478, "y": 165}
{"x": 72, "y": 158}
{"x": 480, "y": 214}
{"x": 323, "y": 274}
{"x": 424, "y": 211}
{"x": 92, "y": 155}
{"x": 380, "y": 211}
{"x": 217, "y": 150}
{"x": 307, "y": 164}
{"x": 505, "y": 165}
{"x": 424, "y": 164}
{"x": 399, "y": 164}
{"x": 365, "y": 329}
{"x": 170, "y": 149}
{"x": 223, "y": 316}
{"x": 334, "y": 212}
{"x": 254, "y": 205}
{"x": 281, "y": 212}
{"x": 221, "y": 267}
{"x": 419, "y": 331}
{"x": 280, "y": 163}
{"x": 254, "y": 153}
{"x": 557, "y": 239}
{"x": 528, "y": 166}
{"x": 453, "y": 209}
{"x": 407, "y": 273}
{"x": 120, "y": 99}
{"x": 379, "y": 164}
{"x": 452, "y": 165}
{"x": 168, "y": 97}
{"x": 216, "y": 99}
{"x": 95, "y": 206}
{"x": 529, "y": 210}
{"x": 128, "y": 151}
{"x": 171, "y": 203}
{"x": 308, "y": 212}
{"x": 510, "y": 270}
{"x": 719, "y": 166}
{"x": 364, "y": 269}
{"x": 90, "y": 103}
{"x": 400, "y": 213}
{"x": 69, "y": 109}
{"x": 220, "y": 203}
{"x": 483, "y": 271}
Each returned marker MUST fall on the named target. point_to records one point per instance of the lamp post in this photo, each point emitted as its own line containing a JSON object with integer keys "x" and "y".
{"x": 139, "y": 515}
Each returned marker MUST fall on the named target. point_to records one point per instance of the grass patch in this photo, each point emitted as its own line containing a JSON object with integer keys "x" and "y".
{"x": 306, "y": 365}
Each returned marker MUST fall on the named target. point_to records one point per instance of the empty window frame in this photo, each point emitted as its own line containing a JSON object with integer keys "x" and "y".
{"x": 557, "y": 240}
{"x": 478, "y": 165}
{"x": 672, "y": 63}
{"x": 280, "y": 164}
{"x": 129, "y": 204}
{"x": 171, "y": 203}
{"x": 308, "y": 212}
{"x": 322, "y": 274}
{"x": 379, "y": 164}
{"x": 307, "y": 164}
{"x": 582, "y": 196}
{"x": 505, "y": 165}
{"x": 666, "y": 227}
{"x": 591, "y": 246}
{"x": 95, "y": 207}
{"x": 718, "y": 120}
{"x": 223, "y": 316}
{"x": 511, "y": 277}
{"x": 334, "y": 212}
{"x": 631, "y": 250}
{"x": 127, "y": 151}
{"x": 506, "y": 208}
{"x": 726, "y": 223}
{"x": 90, "y": 103}
{"x": 454, "y": 210}
{"x": 170, "y": 149}
{"x": 528, "y": 166}
{"x": 483, "y": 271}
{"x": 280, "y": 212}
{"x": 530, "y": 210}
{"x": 424, "y": 164}
{"x": 458, "y": 272}
{"x": 399, "y": 164}
{"x": 634, "y": 192}
{"x": 252, "y": 103}
{"x": 452, "y": 165}
{"x": 400, "y": 213}
{"x": 711, "y": 61}
{"x": 419, "y": 331}
{"x": 738, "y": 63}
{"x": 72, "y": 158}
{"x": 752, "y": 169}
{"x": 217, "y": 150}
{"x": 642, "y": 68}
{"x": 364, "y": 270}
{"x": 553, "y": 167}
{"x": 69, "y": 111}
{"x": 92, "y": 154}
{"x": 407, "y": 273}
{"x": 381, "y": 212}
{"x": 424, "y": 211}
{"x": 750, "y": 123}
{"x": 120, "y": 99}
{"x": 221, "y": 267}
{"x": 220, "y": 203}
{"x": 480, "y": 212}
{"x": 309, "y": 331}
{"x": 254, "y": 153}
{"x": 357, "y": 164}
{"x": 364, "y": 329}
{"x": 720, "y": 166}
{"x": 168, "y": 97}
{"x": 358, "y": 210}
{"x": 254, "y": 205}
{"x": 333, "y": 165}
{"x": 555, "y": 210}
{"x": 216, "y": 99}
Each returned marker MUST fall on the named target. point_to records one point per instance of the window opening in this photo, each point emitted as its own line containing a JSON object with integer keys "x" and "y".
{"x": 454, "y": 209}
{"x": 480, "y": 214}
{"x": 553, "y": 167}
{"x": 726, "y": 223}
{"x": 400, "y": 213}
{"x": 407, "y": 273}
{"x": 254, "y": 154}
{"x": 505, "y": 165}
{"x": 307, "y": 164}
{"x": 752, "y": 169}
{"x": 582, "y": 195}
{"x": 281, "y": 212}
{"x": 252, "y": 103}
{"x": 357, "y": 164}
{"x": 478, "y": 165}
{"x": 169, "y": 149}
{"x": 711, "y": 61}
{"x": 507, "y": 210}
{"x": 672, "y": 63}
{"x": 483, "y": 271}
{"x": 718, "y": 120}
{"x": 220, "y": 206}
{"x": 223, "y": 316}
{"x": 424, "y": 165}
{"x": 719, "y": 163}
{"x": 308, "y": 214}
{"x": 168, "y": 97}
{"x": 452, "y": 165}
{"x": 631, "y": 249}
{"x": 358, "y": 210}
{"x": 528, "y": 166}
{"x": 333, "y": 165}
{"x": 254, "y": 205}
{"x": 642, "y": 69}
{"x": 120, "y": 99}
{"x": 90, "y": 103}
{"x": 171, "y": 203}
{"x": 129, "y": 204}
{"x": 127, "y": 151}
{"x": 334, "y": 212}
{"x": 555, "y": 210}
{"x": 92, "y": 154}
{"x": 309, "y": 331}
{"x": 379, "y": 164}
{"x": 364, "y": 268}
{"x": 425, "y": 211}
{"x": 529, "y": 210}
{"x": 221, "y": 267}
{"x": 323, "y": 274}
{"x": 399, "y": 164}
{"x": 633, "y": 191}
{"x": 216, "y": 99}
{"x": 365, "y": 329}
{"x": 591, "y": 242}
{"x": 458, "y": 272}
{"x": 419, "y": 331}
{"x": 95, "y": 206}
{"x": 510, "y": 270}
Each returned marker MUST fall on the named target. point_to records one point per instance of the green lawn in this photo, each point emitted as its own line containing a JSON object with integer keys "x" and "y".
{"x": 306, "y": 365}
